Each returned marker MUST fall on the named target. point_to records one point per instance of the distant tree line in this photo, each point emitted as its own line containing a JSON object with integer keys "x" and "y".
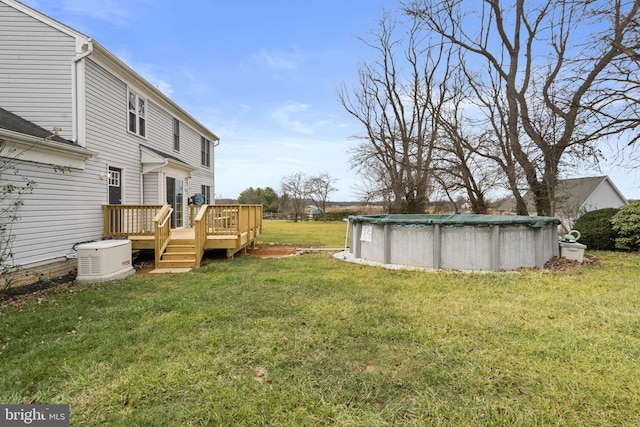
{"x": 297, "y": 192}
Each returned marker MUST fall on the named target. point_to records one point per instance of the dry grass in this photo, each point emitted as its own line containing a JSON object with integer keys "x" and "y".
{"x": 311, "y": 340}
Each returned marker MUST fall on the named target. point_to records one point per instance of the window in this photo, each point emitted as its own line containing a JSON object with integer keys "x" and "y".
{"x": 114, "y": 178}
{"x": 176, "y": 134}
{"x": 137, "y": 114}
{"x": 206, "y": 192}
{"x": 176, "y": 199}
{"x": 205, "y": 152}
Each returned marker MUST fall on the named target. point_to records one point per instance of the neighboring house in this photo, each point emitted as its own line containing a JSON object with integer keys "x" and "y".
{"x": 575, "y": 196}
{"x": 313, "y": 211}
{"x": 117, "y": 140}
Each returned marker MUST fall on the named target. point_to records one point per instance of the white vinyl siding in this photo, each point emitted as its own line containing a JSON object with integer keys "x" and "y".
{"x": 36, "y": 83}
{"x": 152, "y": 189}
{"x": 35, "y": 71}
{"x": 106, "y": 130}
{"x": 159, "y": 129}
{"x": 605, "y": 196}
{"x": 160, "y": 137}
{"x": 57, "y": 215}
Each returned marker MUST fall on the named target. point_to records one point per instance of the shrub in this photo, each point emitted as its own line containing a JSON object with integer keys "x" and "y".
{"x": 336, "y": 215}
{"x": 626, "y": 223}
{"x": 597, "y": 230}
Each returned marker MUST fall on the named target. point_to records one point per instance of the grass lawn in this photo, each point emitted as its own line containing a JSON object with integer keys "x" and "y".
{"x": 330, "y": 234}
{"x": 312, "y": 340}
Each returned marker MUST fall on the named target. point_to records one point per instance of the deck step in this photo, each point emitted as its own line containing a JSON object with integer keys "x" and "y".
{"x": 182, "y": 242}
{"x": 179, "y": 253}
{"x": 180, "y": 248}
{"x": 179, "y": 256}
{"x": 175, "y": 264}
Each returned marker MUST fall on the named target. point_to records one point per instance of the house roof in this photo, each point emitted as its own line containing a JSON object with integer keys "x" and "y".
{"x": 26, "y": 141}
{"x": 157, "y": 156}
{"x": 577, "y": 190}
{"x": 14, "y": 123}
{"x": 570, "y": 193}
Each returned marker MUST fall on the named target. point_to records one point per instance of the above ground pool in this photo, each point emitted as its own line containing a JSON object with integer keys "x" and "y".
{"x": 456, "y": 242}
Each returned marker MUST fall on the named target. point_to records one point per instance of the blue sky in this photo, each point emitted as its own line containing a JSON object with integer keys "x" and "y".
{"x": 263, "y": 75}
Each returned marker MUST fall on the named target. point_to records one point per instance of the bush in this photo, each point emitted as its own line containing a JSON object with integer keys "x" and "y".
{"x": 597, "y": 230}
{"x": 626, "y": 223}
{"x": 335, "y": 215}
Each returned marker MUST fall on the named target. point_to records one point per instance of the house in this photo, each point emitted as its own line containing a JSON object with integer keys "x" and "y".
{"x": 575, "y": 196}
{"x": 108, "y": 151}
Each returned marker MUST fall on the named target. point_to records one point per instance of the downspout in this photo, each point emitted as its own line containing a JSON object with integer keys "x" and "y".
{"x": 79, "y": 126}
{"x": 165, "y": 163}
{"x": 213, "y": 170}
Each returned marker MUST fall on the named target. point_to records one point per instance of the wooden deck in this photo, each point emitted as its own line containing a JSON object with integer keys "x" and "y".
{"x": 232, "y": 228}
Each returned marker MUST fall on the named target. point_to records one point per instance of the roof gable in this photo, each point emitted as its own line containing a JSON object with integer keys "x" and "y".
{"x": 45, "y": 19}
{"x": 86, "y": 46}
{"x": 574, "y": 194}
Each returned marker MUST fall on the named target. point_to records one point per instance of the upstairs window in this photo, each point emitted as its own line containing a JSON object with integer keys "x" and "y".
{"x": 137, "y": 114}
{"x": 206, "y": 192}
{"x": 176, "y": 134}
{"x": 205, "y": 152}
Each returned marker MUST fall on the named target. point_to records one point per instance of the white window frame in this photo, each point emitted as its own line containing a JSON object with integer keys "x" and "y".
{"x": 205, "y": 152}
{"x": 176, "y": 134}
{"x": 114, "y": 178}
{"x": 206, "y": 192}
{"x": 139, "y": 115}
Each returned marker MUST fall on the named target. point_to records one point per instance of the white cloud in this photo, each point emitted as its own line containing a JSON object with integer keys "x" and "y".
{"x": 298, "y": 117}
{"x": 148, "y": 72}
{"x": 117, "y": 12}
{"x": 284, "y": 116}
{"x": 278, "y": 60}
{"x": 266, "y": 159}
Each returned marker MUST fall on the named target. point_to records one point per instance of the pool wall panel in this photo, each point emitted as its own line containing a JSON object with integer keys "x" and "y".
{"x": 455, "y": 247}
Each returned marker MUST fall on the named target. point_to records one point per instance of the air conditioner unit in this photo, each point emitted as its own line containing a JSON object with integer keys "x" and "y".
{"x": 104, "y": 260}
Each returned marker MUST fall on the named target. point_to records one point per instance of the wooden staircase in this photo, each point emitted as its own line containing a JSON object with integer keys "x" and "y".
{"x": 180, "y": 253}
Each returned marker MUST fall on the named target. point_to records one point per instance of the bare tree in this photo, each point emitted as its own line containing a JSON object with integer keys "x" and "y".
{"x": 13, "y": 188}
{"x": 460, "y": 161}
{"x": 490, "y": 138}
{"x": 294, "y": 194}
{"x": 319, "y": 188}
{"x": 396, "y": 100}
{"x": 565, "y": 72}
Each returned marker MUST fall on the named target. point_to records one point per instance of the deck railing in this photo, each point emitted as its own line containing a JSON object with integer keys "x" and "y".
{"x": 237, "y": 224}
{"x": 127, "y": 220}
{"x": 199, "y": 225}
{"x": 162, "y": 225}
{"x": 233, "y": 220}
{"x": 224, "y": 219}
